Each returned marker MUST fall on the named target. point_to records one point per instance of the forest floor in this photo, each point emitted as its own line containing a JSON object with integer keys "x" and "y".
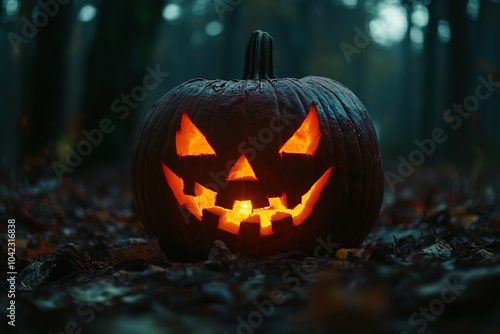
{"x": 85, "y": 265}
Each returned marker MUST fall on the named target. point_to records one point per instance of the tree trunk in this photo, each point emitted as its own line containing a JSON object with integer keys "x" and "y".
{"x": 460, "y": 145}
{"x": 119, "y": 55}
{"x": 429, "y": 110}
{"x": 45, "y": 88}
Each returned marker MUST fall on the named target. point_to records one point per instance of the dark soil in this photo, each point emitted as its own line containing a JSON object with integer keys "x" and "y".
{"x": 85, "y": 265}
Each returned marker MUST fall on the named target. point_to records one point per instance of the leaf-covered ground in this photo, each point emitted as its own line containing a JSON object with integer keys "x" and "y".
{"x": 85, "y": 265}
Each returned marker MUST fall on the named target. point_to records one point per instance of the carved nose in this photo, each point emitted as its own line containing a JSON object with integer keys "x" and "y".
{"x": 241, "y": 171}
{"x": 242, "y": 187}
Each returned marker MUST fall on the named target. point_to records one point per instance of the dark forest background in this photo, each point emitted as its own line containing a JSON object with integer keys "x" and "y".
{"x": 63, "y": 64}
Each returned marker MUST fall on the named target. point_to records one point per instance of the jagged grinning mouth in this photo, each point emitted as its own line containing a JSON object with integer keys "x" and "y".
{"x": 242, "y": 211}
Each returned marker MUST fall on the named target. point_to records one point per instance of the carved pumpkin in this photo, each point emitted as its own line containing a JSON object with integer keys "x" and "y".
{"x": 265, "y": 164}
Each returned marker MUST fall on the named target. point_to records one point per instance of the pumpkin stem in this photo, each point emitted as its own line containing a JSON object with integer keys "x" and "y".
{"x": 259, "y": 57}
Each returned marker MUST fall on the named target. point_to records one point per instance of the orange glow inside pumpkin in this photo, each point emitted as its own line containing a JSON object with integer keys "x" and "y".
{"x": 241, "y": 171}
{"x": 306, "y": 139}
{"x": 190, "y": 141}
{"x": 242, "y": 211}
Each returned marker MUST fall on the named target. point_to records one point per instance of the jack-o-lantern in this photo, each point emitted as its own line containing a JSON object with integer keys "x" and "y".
{"x": 265, "y": 164}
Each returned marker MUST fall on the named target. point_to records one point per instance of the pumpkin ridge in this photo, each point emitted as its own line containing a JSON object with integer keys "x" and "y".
{"x": 307, "y": 96}
{"x": 376, "y": 177}
{"x": 278, "y": 110}
{"x": 146, "y": 142}
{"x": 339, "y": 145}
{"x": 168, "y": 118}
{"x": 365, "y": 195}
{"x": 295, "y": 90}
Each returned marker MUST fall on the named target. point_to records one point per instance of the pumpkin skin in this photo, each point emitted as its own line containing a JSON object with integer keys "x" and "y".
{"x": 249, "y": 122}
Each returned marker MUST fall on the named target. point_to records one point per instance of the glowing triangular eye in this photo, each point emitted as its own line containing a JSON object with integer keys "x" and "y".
{"x": 306, "y": 139}
{"x": 190, "y": 141}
